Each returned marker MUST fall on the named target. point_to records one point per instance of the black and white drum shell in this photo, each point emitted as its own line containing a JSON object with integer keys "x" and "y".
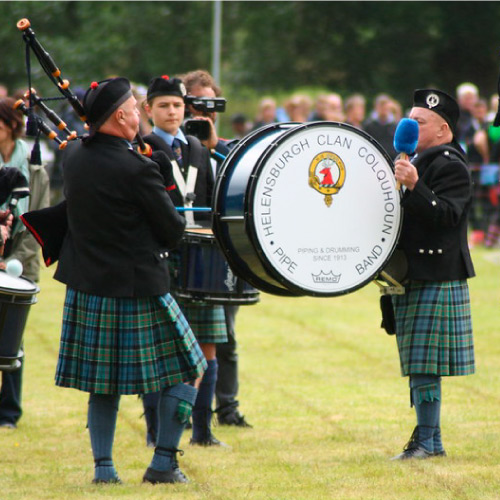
{"x": 17, "y": 294}
{"x": 307, "y": 209}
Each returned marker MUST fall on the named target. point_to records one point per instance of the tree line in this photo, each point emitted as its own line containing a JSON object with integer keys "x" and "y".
{"x": 366, "y": 47}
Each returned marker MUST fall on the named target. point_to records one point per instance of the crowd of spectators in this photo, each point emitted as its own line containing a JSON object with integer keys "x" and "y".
{"x": 477, "y": 136}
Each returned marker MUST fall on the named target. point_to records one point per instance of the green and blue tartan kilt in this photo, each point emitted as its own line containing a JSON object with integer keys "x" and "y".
{"x": 122, "y": 345}
{"x": 208, "y": 322}
{"x": 434, "y": 328}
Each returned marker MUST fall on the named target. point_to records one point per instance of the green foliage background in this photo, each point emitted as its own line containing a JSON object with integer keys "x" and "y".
{"x": 267, "y": 47}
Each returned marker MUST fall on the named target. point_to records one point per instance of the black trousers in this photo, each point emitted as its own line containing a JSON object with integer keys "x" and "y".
{"x": 10, "y": 395}
{"x": 226, "y": 389}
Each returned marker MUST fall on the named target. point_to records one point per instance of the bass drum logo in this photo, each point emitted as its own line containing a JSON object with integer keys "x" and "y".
{"x": 327, "y": 175}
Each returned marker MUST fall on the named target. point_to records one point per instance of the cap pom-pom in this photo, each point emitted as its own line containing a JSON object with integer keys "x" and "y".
{"x": 94, "y": 85}
{"x": 165, "y": 77}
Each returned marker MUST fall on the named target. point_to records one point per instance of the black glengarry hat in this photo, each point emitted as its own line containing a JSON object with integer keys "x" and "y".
{"x": 164, "y": 85}
{"x": 439, "y": 102}
{"x": 104, "y": 97}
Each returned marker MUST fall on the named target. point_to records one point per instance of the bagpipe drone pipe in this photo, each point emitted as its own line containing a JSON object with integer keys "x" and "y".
{"x": 49, "y": 225}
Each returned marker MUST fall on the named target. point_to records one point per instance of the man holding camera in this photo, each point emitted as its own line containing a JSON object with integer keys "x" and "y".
{"x": 200, "y": 84}
{"x": 194, "y": 183}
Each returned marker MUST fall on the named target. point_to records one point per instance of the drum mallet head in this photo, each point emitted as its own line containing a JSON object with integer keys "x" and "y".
{"x": 14, "y": 268}
{"x": 406, "y": 138}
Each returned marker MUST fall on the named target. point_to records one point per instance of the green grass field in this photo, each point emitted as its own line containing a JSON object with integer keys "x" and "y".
{"x": 319, "y": 381}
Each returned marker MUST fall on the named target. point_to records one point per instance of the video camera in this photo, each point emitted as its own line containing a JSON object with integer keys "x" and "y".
{"x": 207, "y": 104}
{"x": 201, "y": 128}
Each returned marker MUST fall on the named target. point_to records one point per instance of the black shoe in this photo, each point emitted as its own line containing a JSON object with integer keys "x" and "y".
{"x": 210, "y": 441}
{"x": 234, "y": 418}
{"x": 413, "y": 449}
{"x": 440, "y": 454}
{"x": 417, "y": 452}
{"x": 8, "y": 425}
{"x": 154, "y": 476}
{"x": 113, "y": 480}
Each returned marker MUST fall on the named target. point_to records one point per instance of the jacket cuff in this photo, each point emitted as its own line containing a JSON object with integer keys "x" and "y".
{"x": 421, "y": 199}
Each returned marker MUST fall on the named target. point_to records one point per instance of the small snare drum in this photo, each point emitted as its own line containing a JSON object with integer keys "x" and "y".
{"x": 16, "y": 297}
{"x": 202, "y": 273}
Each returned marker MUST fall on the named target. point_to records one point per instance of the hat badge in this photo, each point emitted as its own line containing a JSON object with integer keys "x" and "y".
{"x": 432, "y": 100}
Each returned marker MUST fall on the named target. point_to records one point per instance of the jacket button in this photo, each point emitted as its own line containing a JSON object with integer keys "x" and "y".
{"x": 440, "y": 250}
{"x": 433, "y": 203}
{"x": 421, "y": 250}
{"x": 431, "y": 252}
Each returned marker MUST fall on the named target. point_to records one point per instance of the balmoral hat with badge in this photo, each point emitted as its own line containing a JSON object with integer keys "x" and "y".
{"x": 103, "y": 98}
{"x": 164, "y": 85}
{"x": 439, "y": 102}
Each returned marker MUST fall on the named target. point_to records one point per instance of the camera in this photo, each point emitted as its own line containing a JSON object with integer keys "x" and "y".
{"x": 199, "y": 128}
{"x": 206, "y": 104}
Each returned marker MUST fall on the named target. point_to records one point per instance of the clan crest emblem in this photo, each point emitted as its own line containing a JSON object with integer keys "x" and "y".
{"x": 327, "y": 175}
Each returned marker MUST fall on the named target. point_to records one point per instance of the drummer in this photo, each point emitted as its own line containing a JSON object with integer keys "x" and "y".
{"x": 194, "y": 181}
{"x": 200, "y": 83}
{"x": 433, "y": 317}
{"x": 21, "y": 245}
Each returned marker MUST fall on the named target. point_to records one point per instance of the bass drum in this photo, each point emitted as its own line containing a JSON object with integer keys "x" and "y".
{"x": 307, "y": 209}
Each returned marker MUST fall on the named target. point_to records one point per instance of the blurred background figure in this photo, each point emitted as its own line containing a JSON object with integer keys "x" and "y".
{"x": 239, "y": 125}
{"x": 493, "y": 108}
{"x": 298, "y": 108}
{"x": 329, "y": 107}
{"x": 139, "y": 92}
{"x": 382, "y": 123}
{"x": 355, "y": 110}
{"x": 478, "y": 154}
{"x": 266, "y": 113}
{"x": 467, "y": 96}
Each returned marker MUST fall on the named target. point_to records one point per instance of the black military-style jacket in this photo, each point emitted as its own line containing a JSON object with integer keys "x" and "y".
{"x": 196, "y": 155}
{"x": 434, "y": 231}
{"x": 121, "y": 221}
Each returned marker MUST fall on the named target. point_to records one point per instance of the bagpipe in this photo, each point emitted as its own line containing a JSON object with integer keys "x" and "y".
{"x": 49, "y": 225}
{"x": 35, "y": 124}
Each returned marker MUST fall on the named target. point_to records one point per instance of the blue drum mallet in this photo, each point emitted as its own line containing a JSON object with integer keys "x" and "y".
{"x": 406, "y": 139}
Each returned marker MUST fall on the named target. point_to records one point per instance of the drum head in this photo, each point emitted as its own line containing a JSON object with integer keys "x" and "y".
{"x": 323, "y": 210}
{"x": 12, "y": 285}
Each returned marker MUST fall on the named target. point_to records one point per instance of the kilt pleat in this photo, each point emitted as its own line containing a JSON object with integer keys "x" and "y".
{"x": 208, "y": 322}
{"x": 434, "y": 328}
{"x": 125, "y": 345}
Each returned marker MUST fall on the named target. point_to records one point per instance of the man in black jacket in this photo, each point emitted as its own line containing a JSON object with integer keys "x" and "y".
{"x": 122, "y": 331}
{"x": 433, "y": 320}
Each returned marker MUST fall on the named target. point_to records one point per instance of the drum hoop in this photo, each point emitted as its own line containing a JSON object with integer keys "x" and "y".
{"x": 20, "y": 292}
{"x": 250, "y": 197}
{"x": 237, "y": 264}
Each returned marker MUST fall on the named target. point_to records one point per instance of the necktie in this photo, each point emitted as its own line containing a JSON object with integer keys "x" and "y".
{"x": 176, "y": 147}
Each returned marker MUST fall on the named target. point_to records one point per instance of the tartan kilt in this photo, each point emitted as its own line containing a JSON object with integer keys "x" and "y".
{"x": 208, "y": 322}
{"x": 434, "y": 328}
{"x": 122, "y": 345}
